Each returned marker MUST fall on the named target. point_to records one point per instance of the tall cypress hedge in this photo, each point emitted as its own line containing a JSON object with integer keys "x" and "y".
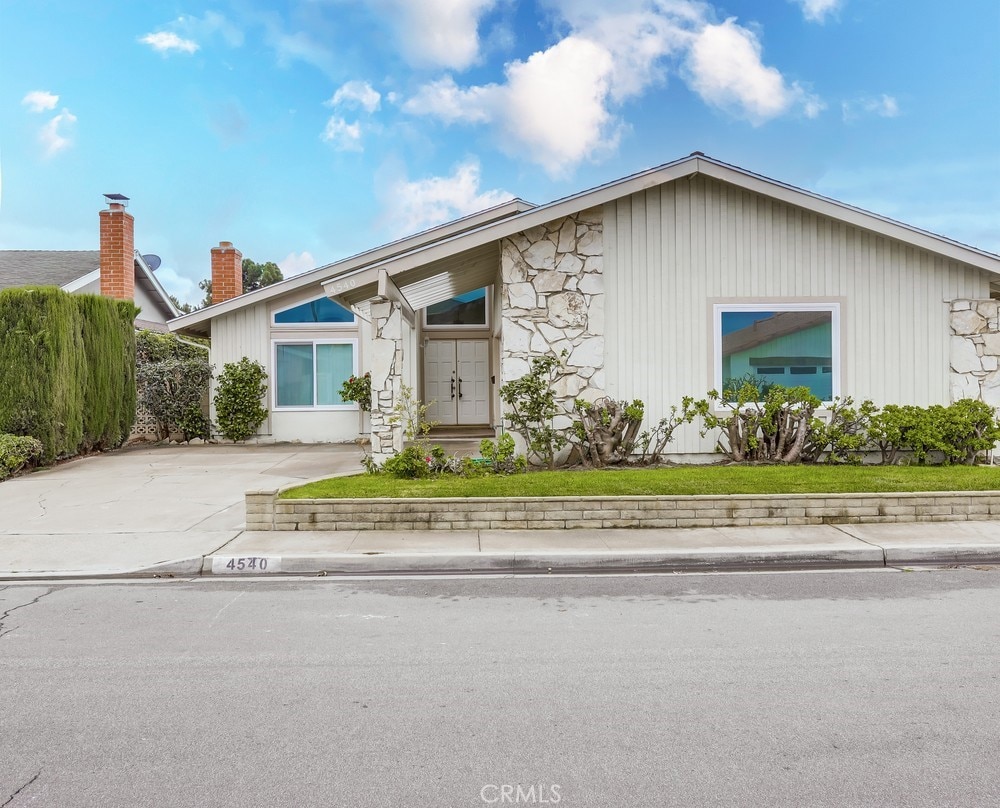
{"x": 67, "y": 369}
{"x": 109, "y": 349}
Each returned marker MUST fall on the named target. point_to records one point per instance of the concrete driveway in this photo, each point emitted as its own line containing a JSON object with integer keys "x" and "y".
{"x": 144, "y": 506}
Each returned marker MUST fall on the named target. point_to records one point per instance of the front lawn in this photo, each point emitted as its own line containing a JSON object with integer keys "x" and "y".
{"x": 668, "y": 481}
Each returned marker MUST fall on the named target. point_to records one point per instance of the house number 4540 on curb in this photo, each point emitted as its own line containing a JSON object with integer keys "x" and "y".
{"x": 245, "y": 564}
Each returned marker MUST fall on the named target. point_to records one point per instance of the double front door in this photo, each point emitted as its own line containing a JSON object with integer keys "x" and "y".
{"x": 456, "y": 381}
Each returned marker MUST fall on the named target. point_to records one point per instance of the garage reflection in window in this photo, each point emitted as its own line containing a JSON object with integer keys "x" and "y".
{"x": 778, "y": 344}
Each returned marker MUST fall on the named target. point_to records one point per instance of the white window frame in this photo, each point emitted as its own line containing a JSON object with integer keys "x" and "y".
{"x": 353, "y": 406}
{"x": 718, "y": 309}
{"x": 466, "y": 327}
{"x": 310, "y": 326}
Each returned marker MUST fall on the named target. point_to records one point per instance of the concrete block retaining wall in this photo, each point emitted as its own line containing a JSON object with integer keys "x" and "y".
{"x": 265, "y": 511}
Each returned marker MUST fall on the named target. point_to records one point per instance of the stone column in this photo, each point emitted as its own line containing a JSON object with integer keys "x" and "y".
{"x": 387, "y": 378}
{"x": 553, "y": 301}
{"x": 975, "y": 350}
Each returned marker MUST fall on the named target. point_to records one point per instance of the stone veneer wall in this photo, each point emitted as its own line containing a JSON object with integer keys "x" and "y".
{"x": 975, "y": 350}
{"x": 265, "y": 511}
{"x": 553, "y": 300}
{"x": 387, "y": 379}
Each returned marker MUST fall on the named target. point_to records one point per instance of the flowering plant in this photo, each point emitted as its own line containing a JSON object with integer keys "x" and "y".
{"x": 358, "y": 388}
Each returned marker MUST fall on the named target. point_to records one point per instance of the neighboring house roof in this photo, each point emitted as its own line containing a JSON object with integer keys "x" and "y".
{"x": 46, "y": 267}
{"x": 73, "y": 270}
{"x": 457, "y": 257}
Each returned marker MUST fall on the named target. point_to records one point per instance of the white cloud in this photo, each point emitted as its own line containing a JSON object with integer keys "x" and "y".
{"x": 54, "y": 135}
{"x": 166, "y": 41}
{"x": 725, "y": 69}
{"x": 555, "y": 103}
{"x": 883, "y": 106}
{"x": 40, "y": 100}
{"x": 417, "y": 205}
{"x": 436, "y": 33}
{"x": 209, "y": 24}
{"x": 552, "y": 105}
{"x": 445, "y": 100}
{"x": 560, "y": 106}
{"x": 343, "y": 136}
{"x": 818, "y": 10}
{"x": 356, "y": 94}
{"x": 296, "y": 263}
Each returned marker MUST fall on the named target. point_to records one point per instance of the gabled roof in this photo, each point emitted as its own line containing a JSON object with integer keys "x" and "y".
{"x": 199, "y": 322}
{"x": 429, "y": 264}
{"x": 46, "y": 267}
{"x": 428, "y": 272}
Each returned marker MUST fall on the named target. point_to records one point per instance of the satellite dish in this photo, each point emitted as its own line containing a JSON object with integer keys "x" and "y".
{"x": 152, "y": 261}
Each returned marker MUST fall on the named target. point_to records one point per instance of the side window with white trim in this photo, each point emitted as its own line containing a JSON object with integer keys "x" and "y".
{"x": 309, "y": 373}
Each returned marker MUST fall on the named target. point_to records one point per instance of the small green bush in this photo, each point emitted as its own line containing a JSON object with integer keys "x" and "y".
{"x": 359, "y": 389}
{"x": 409, "y": 464}
{"x": 16, "y": 452}
{"x": 531, "y": 407}
{"x": 239, "y": 410}
{"x": 970, "y": 427}
{"x": 502, "y": 456}
{"x": 769, "y": 427}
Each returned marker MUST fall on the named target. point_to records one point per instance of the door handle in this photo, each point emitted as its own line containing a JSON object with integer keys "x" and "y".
{"x": 459, "y": 386}
{"x": 453, "y": 386}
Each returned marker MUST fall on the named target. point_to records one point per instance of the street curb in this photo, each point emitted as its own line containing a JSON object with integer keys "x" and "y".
{"x": 518, "y": 563}
{"x": 542, "y": 563}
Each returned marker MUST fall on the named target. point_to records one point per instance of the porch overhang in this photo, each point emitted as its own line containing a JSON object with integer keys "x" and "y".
{"x": 420, "y": 286}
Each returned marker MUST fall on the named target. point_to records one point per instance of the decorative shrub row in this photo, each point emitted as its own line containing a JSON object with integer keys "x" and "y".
{"x": 753, "y": 421}
{"x": 780, "y": 425}
{"x": 68, "y": 369}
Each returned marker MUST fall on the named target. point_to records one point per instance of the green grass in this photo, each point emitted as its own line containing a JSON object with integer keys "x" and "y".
{"x": 674, "y": 480}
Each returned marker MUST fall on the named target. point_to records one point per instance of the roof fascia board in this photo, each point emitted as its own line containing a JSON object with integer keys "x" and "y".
{"x": 849, "y": 215}
{"x": 346, "y": 265}
{"x": 83, "y": 280}
{"x": 541, "y": 215}
{"x": 389, "y": 290}
{"x": 172, "y": 310}
{"x": 340, "y": 288}
{"x": 690, "y": 166}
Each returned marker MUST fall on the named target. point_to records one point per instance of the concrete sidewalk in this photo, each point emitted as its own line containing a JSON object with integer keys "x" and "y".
{"x": 508, "y": 552}
{"x": 172, "y": 510}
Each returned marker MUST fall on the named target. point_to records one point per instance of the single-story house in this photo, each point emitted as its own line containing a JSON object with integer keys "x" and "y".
{"x": 116, "y": 270}
{"x": 663, "y": 284}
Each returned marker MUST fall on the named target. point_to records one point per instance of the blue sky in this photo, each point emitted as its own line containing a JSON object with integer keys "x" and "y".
{"x": 308, "y": 130}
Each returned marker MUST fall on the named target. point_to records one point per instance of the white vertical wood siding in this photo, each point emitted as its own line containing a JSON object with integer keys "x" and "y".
{"x": 673, "y": 250}
{"x": 248, "y": 332}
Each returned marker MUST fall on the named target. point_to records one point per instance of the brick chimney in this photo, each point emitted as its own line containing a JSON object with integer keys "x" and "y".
{"x": 117, "y": 250}
{"x": 227, "y": 272}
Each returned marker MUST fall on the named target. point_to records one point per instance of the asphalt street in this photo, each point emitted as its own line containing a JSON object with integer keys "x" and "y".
{"x": 787, "y": 689}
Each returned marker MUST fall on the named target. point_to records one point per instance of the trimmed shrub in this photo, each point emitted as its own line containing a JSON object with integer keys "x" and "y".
{"x": 16, "y": 452}
{"x": 65, "y": 377}
{"x": 238, "y": 408}
{"x": 970, "y": 427}
{"x": 173, "y": 379}
{"x": 109, "y": 394}
{"x": 770, "y": 427}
